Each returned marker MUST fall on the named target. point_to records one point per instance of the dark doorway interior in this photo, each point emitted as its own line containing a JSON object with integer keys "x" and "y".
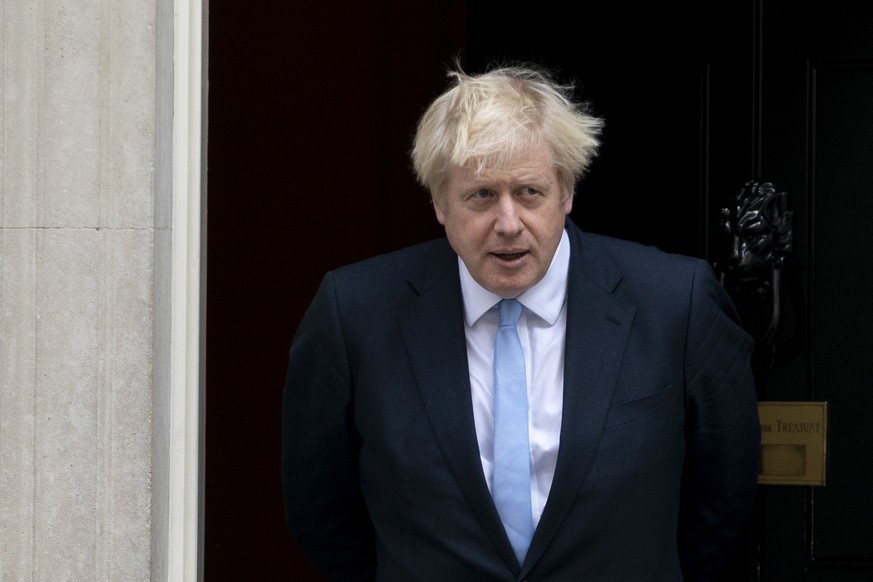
{"x": 311, "y": 105}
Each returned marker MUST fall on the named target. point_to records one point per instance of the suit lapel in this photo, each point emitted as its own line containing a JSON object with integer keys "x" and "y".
{"x": 598, "y": 325}
{"x": 433, "y": 331}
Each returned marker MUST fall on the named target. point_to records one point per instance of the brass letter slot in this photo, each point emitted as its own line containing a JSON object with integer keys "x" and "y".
{"x": 793, "y": 443}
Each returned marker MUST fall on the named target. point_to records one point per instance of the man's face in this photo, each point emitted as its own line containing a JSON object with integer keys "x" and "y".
{"x": 505, "y": 223}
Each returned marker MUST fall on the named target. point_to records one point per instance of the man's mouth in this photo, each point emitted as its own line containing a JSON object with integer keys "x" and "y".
{"x": 509, "y": 256}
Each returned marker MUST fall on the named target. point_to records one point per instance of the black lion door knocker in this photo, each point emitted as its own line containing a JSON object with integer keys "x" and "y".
{"x": 758, "y": 227}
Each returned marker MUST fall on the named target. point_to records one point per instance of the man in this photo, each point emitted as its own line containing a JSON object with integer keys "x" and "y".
{"x": 624, "y": 382}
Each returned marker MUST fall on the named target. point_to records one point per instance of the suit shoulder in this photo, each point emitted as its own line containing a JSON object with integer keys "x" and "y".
{"x": 387, "y": 277}
{"x": 646, "y": 275}
{"x": 399, "y": 263}
{"x": 637, "y": 259}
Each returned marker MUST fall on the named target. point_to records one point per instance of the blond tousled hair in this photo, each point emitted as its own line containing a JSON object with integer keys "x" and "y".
{"x": 488, "y": 120}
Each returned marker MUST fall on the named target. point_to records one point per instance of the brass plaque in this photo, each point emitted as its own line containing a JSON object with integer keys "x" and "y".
{"x": 793, "y": 443}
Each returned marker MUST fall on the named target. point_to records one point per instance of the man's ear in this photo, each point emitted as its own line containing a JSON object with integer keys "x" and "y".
{"x": 437, "y": 208}
{"x": 568, "y": 203}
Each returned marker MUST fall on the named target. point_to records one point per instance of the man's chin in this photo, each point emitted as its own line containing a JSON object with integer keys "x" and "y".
{"x": 508, "y": 289}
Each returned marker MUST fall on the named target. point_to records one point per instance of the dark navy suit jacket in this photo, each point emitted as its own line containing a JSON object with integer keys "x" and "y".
{"x": 656, "y": 473}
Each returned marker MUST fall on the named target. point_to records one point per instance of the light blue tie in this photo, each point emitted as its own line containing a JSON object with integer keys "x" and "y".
{"x": 511, "y": 480}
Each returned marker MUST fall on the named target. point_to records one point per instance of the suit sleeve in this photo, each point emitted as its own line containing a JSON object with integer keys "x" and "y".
{"x": 722, "y": 428}
{"x": 324, "y": 506}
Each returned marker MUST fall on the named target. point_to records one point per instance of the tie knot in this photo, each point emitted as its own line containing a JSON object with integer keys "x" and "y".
{"x": 510, "y": 311}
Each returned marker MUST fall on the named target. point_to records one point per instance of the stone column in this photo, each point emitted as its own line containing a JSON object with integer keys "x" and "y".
{"x": 81, "y": 266}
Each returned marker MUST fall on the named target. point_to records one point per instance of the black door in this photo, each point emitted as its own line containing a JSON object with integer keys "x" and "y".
{"x": 817, "y": 143}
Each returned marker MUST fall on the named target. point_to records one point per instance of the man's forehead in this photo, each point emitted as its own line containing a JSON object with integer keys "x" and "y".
{"x": 519, "y": 167}
{"x": 510, "y": 174}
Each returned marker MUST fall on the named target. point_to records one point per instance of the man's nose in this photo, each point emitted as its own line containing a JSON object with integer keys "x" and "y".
{"x": 507, "y": 221}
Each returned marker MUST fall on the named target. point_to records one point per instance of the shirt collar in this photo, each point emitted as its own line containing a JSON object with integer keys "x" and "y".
{"x": 545, "y": 299}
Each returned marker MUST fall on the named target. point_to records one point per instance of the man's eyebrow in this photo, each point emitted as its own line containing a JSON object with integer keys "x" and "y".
{"x": 537, "y": 180}
{"x": 532, "y": 178}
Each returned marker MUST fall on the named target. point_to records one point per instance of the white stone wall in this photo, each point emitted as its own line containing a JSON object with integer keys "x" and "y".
{"x": 77, "y": 288}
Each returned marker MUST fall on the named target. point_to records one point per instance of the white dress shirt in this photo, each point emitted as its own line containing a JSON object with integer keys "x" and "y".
{"x": 541, "y": 328}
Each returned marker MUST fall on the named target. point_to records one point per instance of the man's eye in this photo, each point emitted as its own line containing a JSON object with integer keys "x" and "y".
{"x": 481, "y": 193}
{"x": 529, "y": 191}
